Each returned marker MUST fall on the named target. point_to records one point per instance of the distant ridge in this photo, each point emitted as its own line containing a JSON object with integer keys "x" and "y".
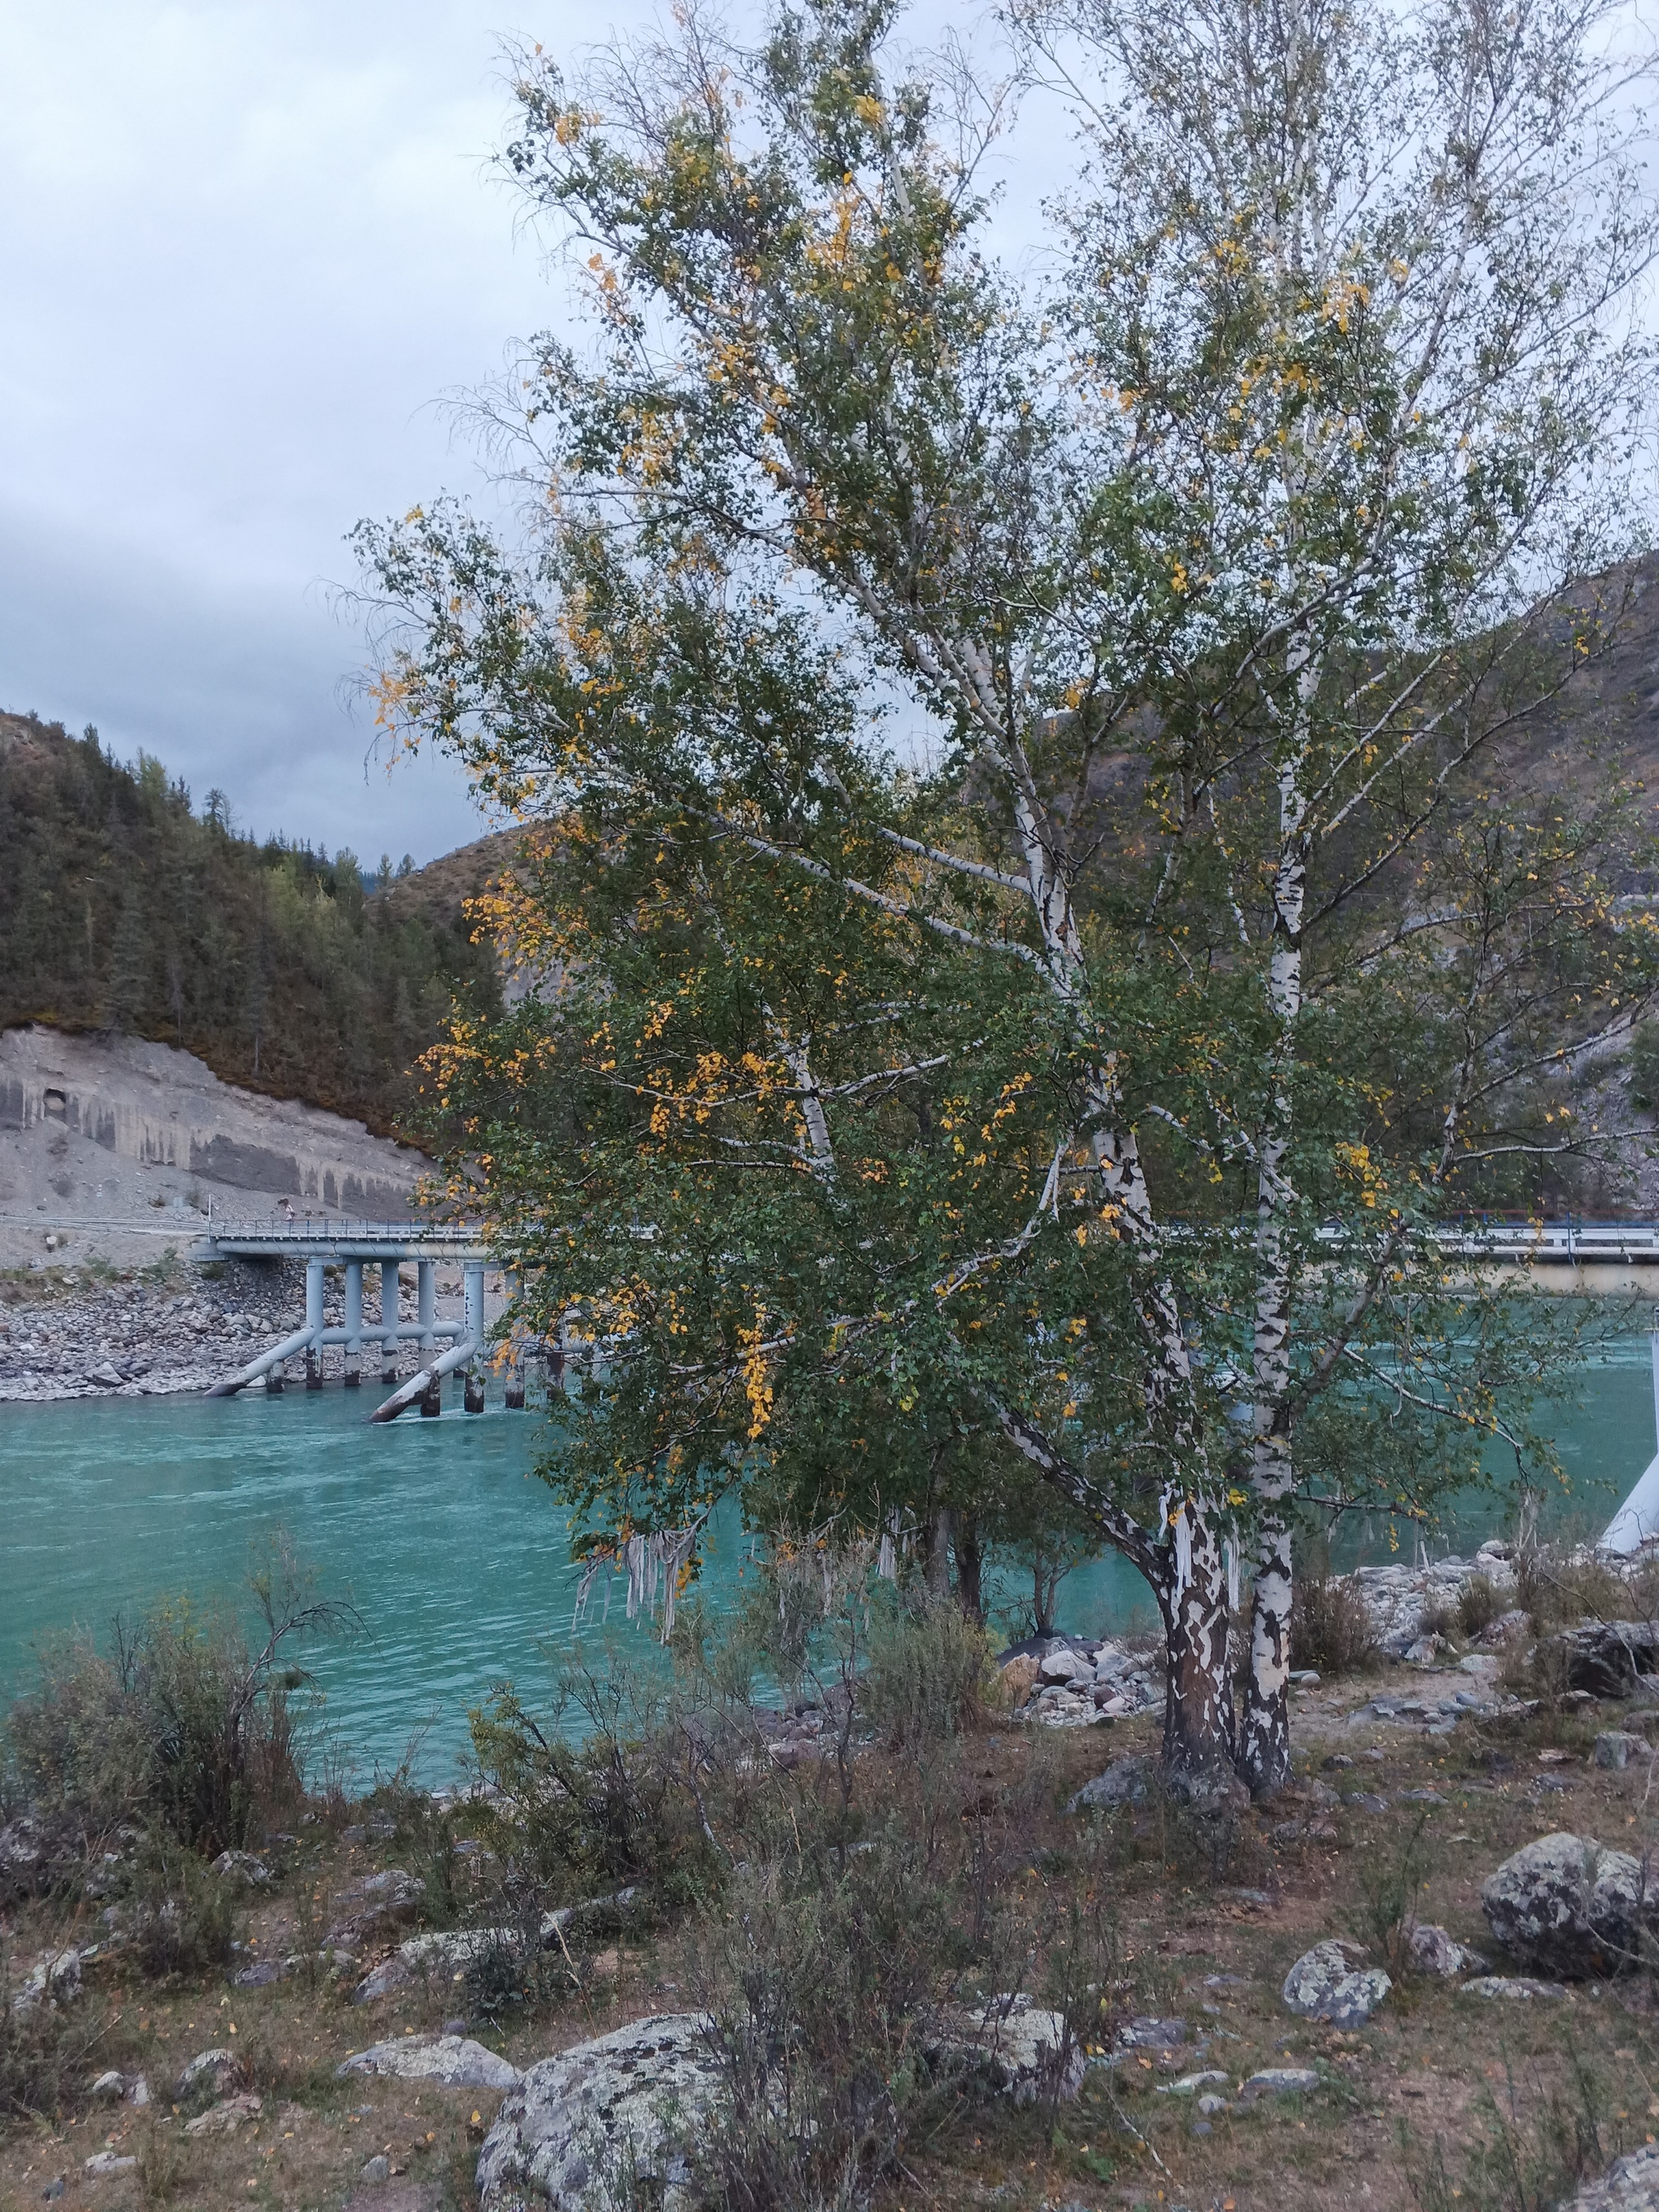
{"x": 124, "y": 909}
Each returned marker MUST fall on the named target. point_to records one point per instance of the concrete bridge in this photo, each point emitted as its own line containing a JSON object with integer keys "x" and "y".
{"x": 445, "y": 1345}
{"x": 1566, "y": 1257}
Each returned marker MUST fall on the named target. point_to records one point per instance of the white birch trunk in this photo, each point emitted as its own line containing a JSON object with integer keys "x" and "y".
{"x": 1183, "y": 1561}
{"x": 1264, "y": 1737}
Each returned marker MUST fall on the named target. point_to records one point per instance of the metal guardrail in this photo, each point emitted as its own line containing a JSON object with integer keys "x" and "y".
{"x": 315, "y": 1229}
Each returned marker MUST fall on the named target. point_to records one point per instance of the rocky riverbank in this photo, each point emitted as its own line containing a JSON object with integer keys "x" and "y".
{"x": 97, "y": 1332}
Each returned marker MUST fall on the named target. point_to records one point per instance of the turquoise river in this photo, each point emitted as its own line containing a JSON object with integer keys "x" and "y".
{"x": 457, "y": 1560}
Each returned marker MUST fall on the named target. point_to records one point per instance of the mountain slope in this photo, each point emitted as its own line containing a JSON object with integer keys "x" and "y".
{"x": 122, "y": 909}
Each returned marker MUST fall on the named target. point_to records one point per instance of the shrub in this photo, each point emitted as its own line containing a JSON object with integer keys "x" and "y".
{"x": 178, "y": 1726}
{"x": 178, "y": 1915}
{"x": 1479, "y": 1604}
{"x": 1558, "y": 1589}
{"x": 826, "y": 1988}
{"x": 929, "y": 1673}
{"x": 614, "y": 1803}
{"x": 1331, "y": 1628}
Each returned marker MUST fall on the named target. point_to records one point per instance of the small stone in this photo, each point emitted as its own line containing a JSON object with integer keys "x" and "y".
{"x": 1147, "y": 2033}
{"x": 1190, "y": 2083}
{"x": 109, "y": 2087}
{"x": 103, "y": 2163}
{"x": 456, "y": 2026}
{"x": 1304, "y": 1678}
{"x": 1202, "y": 2128}
{"x": 226, "y": 2117}
{"x": 1334, "y": 1759}
{"x": 1278, "y": 2082}
{"x": 377, "y": 2168}
{"x": 1366, "y": 1801}
{"x": 1420, "y": 1797}
{"x": 1209, "y": 2107}
{"x": 1511, "y": 1985}
{"x": 54, "y": 2188}
{"x": 139, "y": 2092}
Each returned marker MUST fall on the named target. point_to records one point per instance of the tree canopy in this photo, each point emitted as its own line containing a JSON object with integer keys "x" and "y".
{"x": 1081, "y": 1093}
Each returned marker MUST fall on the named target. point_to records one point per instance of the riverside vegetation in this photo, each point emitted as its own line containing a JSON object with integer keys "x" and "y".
{"x": 829, "y": 1888}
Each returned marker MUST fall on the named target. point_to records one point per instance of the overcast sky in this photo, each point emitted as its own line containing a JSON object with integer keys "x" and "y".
{"x": 245, "y": 244}
{"x": 246, "y": 247}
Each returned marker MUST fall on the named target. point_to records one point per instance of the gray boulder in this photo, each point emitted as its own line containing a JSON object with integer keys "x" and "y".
{"x": 243, "y": 1867}
{"x": 622, "y": 2105}
{"x": 1618, "y": 1746}
{"x": 1567, "y": 1906}
{"x": 210, "y": 2074}
{"x": 1127, "y": 1781}
{"x": 1024, "y": 2050}
{"x": 1434, "y": 1950}
{"x": 24, "y": 1865}
{"x": 53, "y": 1980}
{"x": 1630, "y": 2185}
{"x": 449, "y": 2062}
{"x": 1332, "y": 1984}
{"x": 444, "y": 1955}
{"x": 1607, "y": 1658}
{"x": 375, "y": 1904}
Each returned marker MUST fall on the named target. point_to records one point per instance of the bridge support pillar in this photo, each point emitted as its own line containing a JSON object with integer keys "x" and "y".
{"x": 426, "y": 1306}
{"x": 473, "y": 1278}
{"x": 516, "y": 1358}
{"x": 274, "y": 1380}
{"x": 432, "y": 1398}
{"x": 354, "y": 1324}
{"x": 389, "y": 1274}
{"x": 314, "y": 1323}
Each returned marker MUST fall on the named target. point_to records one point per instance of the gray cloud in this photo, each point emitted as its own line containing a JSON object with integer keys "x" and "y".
{"x": 245, "y": 248}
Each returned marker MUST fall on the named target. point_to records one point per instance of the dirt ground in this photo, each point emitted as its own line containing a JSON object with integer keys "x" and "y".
{"x": 1206, "y": 1930}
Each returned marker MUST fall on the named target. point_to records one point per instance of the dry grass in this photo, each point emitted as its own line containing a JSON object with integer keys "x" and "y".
{"x": 1331, "y": 1629}
{"x": 1136, "y": 1912}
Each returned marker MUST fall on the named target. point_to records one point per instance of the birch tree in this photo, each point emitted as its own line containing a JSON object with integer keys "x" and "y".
{"x": 869, "y": 1111}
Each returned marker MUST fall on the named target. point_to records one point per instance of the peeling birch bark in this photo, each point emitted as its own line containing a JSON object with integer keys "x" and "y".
{"x": 1265, "y": 1735}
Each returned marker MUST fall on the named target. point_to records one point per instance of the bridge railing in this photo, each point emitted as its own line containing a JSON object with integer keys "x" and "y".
{"x": 316, "y": 1228}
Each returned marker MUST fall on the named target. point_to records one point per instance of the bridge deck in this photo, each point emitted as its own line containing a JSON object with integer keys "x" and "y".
{"x": 310, "y": 1237}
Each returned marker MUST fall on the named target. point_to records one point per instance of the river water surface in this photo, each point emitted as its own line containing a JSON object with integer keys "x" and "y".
{"x": 457, "y": 1559}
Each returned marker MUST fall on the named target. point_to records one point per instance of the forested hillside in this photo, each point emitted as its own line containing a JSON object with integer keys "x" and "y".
{"x": 124, "y": 908}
